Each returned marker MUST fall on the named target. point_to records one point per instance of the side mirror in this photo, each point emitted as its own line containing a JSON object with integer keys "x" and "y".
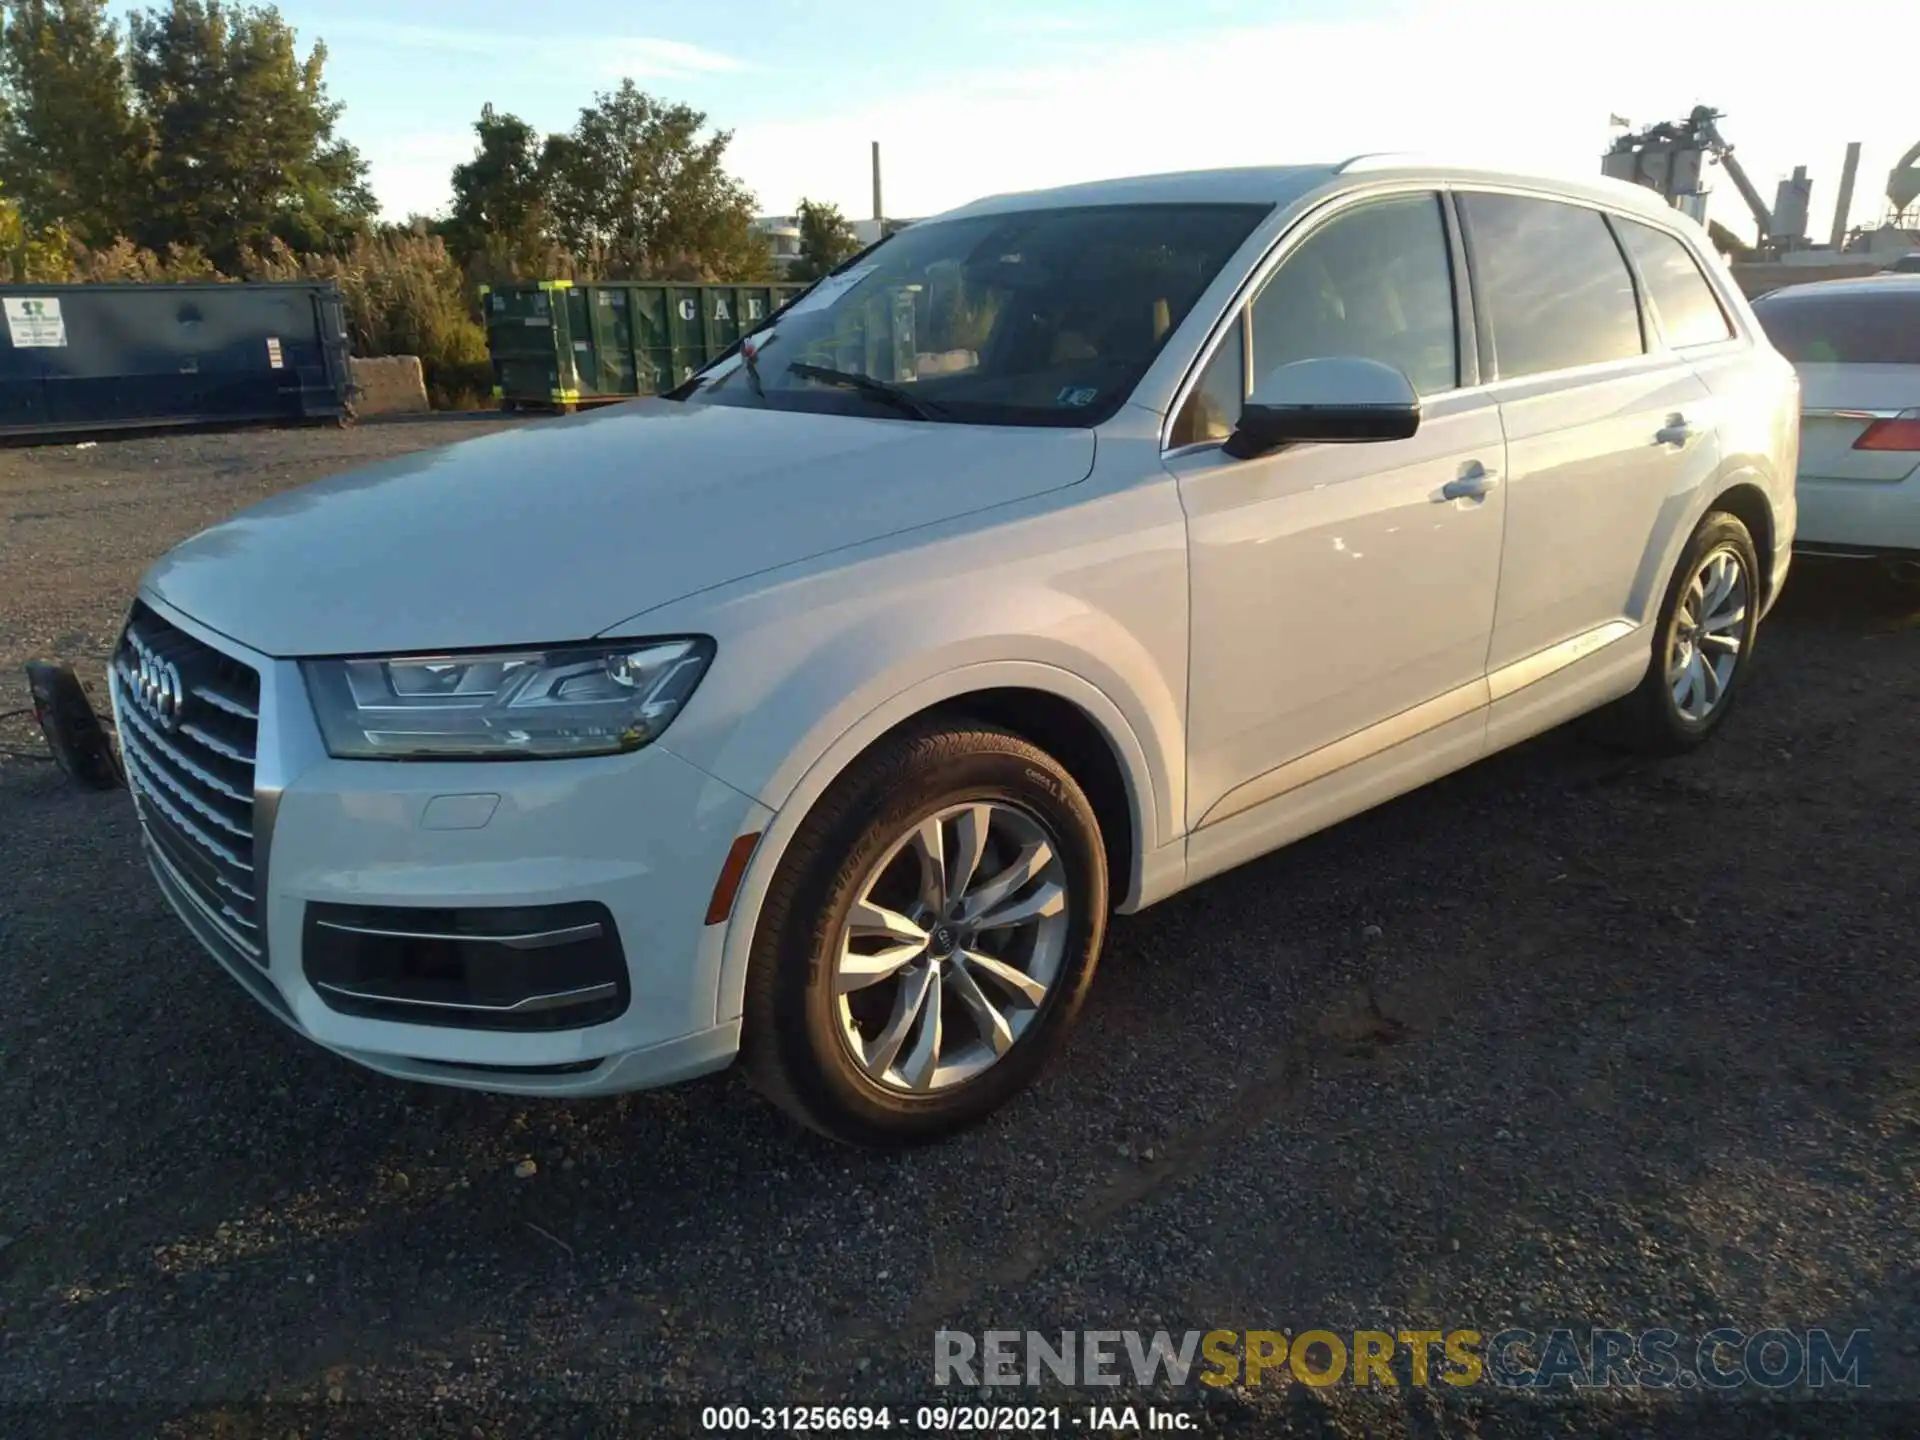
{"x": 1339, "y": 399}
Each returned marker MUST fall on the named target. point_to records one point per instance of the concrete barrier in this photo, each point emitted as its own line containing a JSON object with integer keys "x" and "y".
{"x": 389, "y": 385}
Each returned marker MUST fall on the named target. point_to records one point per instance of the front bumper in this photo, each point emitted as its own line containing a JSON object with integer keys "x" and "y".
{"x": 645, "y": 835}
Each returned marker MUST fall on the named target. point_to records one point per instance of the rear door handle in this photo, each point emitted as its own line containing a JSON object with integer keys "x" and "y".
{"x": 1475, "y": 481}
{"x": 1677, "y": 431}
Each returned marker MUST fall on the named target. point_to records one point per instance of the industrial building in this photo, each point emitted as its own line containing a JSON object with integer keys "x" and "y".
{"x": 782, "y": 232}
{"x": 1674, "y": 158}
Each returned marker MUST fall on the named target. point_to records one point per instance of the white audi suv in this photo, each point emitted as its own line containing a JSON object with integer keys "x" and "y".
{"x": 1058, "y": 553}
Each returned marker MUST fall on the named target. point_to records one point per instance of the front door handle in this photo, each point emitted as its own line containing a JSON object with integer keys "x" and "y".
{"x": 1475, "y": 481}
{"x": 1677, "y": 431}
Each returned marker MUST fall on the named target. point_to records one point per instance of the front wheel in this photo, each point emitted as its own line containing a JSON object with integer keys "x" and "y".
{"x": 1703, "y": 640}
{"x": 928, "y": 938}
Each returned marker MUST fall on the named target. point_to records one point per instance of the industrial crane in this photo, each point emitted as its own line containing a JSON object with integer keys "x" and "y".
{"x": 1669, "y": 157}
{"x": 1903, "y": 189}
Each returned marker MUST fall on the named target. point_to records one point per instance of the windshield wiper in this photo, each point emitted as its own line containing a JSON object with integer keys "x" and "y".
{"x": 880, "y": 390}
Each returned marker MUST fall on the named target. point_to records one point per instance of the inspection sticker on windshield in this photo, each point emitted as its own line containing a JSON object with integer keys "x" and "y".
{"x": 830, "y": 290}
{"x": 1076, "y": 396}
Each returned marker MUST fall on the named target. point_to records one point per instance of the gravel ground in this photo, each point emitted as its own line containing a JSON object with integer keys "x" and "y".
{"x": 1566, "y": 1039}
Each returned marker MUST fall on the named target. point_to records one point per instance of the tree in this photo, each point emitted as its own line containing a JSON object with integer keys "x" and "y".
{"x": 69, "y": 142}
{"x": 825, "y": 240}
{"x": 27, "y": 257}
{"x": 635, "y": 191}
{"x": 498, "y": 221}
{"x": 244, "y": 149}
{"x": 1728, "y": 243}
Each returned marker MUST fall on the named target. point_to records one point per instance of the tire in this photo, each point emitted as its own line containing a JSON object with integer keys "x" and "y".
{"x": 854, "y": 1063}
{"x": 1653, "y": 720}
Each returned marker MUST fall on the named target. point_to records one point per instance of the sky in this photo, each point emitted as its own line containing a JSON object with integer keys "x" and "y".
{"x": 974, "y": 97}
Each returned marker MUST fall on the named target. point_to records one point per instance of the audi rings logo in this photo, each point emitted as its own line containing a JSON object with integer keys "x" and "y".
{"x": 156, "y": 688}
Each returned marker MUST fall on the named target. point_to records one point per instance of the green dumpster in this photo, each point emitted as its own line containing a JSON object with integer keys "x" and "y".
{"x": 558, "y": 344}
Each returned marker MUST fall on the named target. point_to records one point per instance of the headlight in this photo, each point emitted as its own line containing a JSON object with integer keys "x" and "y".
{"x": 521, "y": 704}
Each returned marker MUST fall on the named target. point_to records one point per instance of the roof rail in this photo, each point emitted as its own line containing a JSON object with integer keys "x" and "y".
{"x": 1379, "y": 160}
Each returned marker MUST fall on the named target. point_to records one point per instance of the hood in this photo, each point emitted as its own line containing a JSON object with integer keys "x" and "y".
{"x": 564, "y": 528}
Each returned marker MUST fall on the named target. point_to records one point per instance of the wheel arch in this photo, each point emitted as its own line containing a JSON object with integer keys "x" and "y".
{"x": 1750, "y": 505}
{"x": 1076, "y": 740}
{"x": 1060, "y": 712}
{"x": 1740, "y": 492}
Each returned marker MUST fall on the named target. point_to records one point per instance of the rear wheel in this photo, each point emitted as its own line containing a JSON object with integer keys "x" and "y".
{"x": 1702, "y": 641}
{"x": 928, "y": 938}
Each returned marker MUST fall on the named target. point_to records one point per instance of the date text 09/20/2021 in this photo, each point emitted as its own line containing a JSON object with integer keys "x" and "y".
{"x": 985, "y": 1419}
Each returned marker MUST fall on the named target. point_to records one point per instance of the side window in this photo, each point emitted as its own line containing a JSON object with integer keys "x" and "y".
{"x": 1213, "y": 407}
{"x": 1375, "y": 282}
{"x": 1553, "y": 284}
{"x": 1682, "y": 297}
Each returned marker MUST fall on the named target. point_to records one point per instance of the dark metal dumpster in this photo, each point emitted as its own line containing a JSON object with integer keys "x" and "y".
{"x": 106, "y": 357}
{"x": 560, "y": 344}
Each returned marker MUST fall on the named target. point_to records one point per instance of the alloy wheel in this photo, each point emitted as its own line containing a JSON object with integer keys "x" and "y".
{"x": 953, "y": 943}
{"x": 1709, "y": 630}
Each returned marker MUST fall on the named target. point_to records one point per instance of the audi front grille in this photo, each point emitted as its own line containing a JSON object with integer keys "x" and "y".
{"x": 189, "y": 719}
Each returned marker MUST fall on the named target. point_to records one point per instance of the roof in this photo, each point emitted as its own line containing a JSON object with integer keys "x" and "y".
{"x": 1265, "y": 184}
{"x": 1282, "y": 184}
{"x": 1884, "y": 283}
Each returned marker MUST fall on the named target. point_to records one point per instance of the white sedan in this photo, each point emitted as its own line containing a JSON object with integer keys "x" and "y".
{"x": 1856, "y": 344}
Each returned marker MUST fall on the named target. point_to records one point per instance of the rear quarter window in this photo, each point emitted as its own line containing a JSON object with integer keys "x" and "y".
{"x": 1683, "y": 299}
{"x": 1846, "y": 327}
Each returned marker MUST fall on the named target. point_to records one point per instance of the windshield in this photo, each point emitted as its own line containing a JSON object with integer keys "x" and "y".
{"x": 1039, "y": 317}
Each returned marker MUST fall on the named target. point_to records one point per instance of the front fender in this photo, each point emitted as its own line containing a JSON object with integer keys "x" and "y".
{"x": 1086, "y": 602}
{"x": 872, "y": 668}
{"x": 833, "y": 759}
{"x": 1096, "y": 591}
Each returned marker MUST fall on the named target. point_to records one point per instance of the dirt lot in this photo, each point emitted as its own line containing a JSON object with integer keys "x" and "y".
{"x": 1563, "y": 1040}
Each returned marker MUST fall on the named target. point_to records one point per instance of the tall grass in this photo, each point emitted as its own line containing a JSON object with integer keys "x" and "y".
{"x": 404, "y": 294}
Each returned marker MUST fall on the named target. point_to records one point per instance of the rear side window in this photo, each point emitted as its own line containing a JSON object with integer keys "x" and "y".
{"x": 1682, "y": 297}
{"x": 1868, "y": 326}
{"x": 1555, "y": 289}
